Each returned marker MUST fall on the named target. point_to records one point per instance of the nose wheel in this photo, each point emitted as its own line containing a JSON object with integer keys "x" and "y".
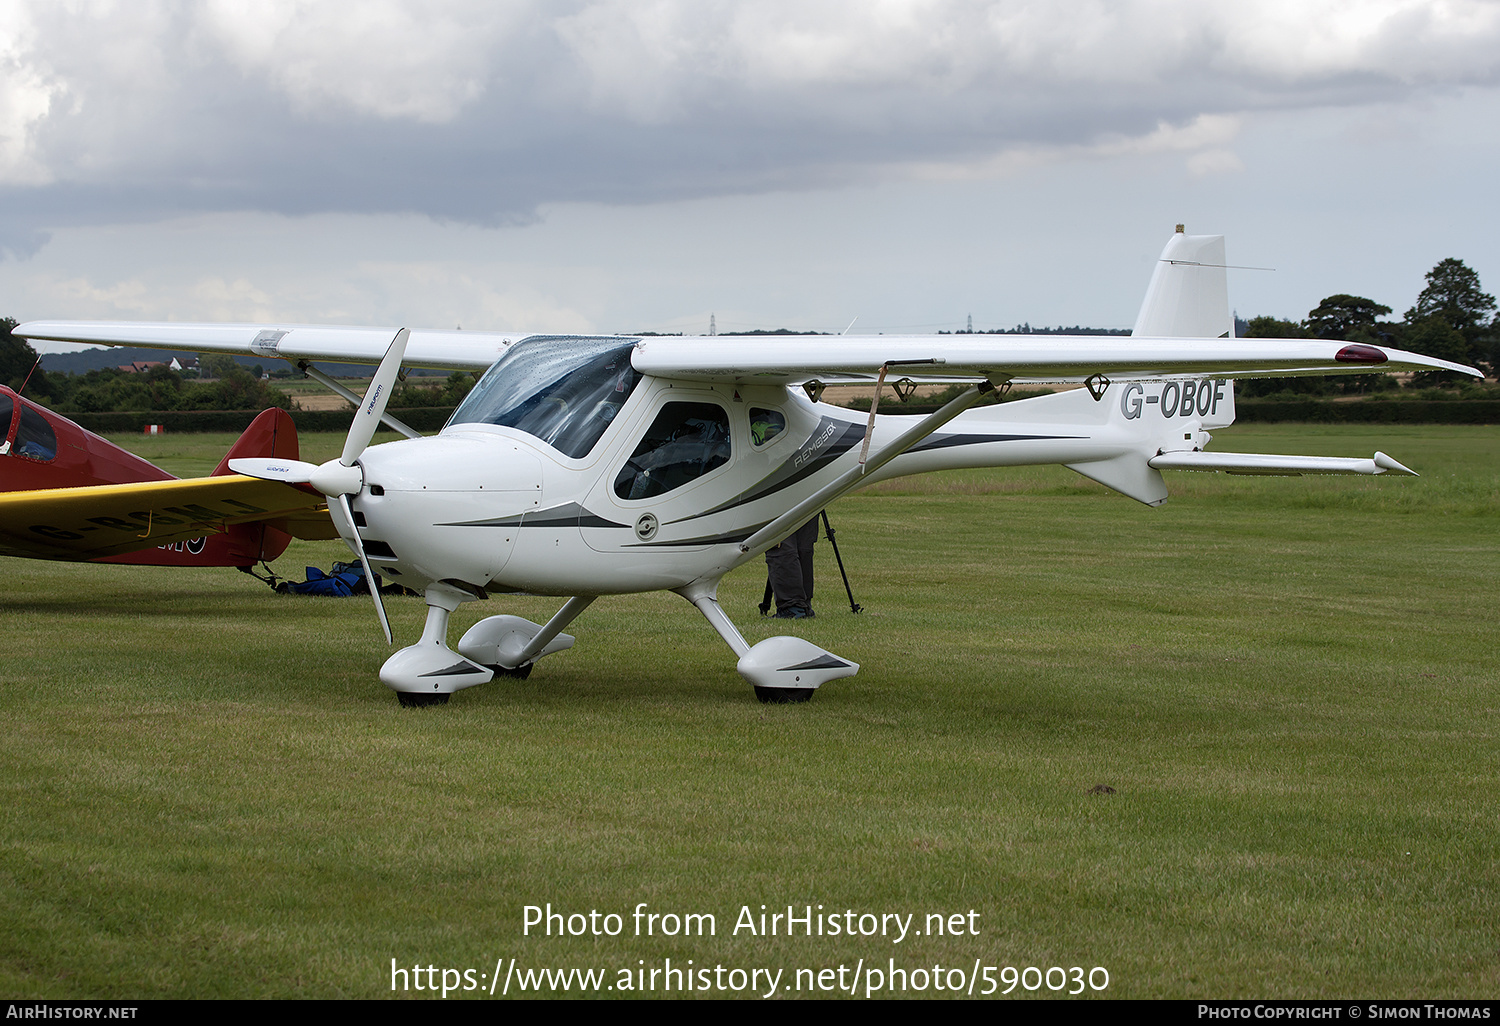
{"x": 783, "y": 696}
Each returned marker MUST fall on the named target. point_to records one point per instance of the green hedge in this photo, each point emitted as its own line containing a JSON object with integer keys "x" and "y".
{"x": 1369, "y": 411}
{"x": 430, "y": 418}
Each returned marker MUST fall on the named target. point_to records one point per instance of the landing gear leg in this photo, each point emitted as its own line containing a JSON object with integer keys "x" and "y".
{"x": 781, "y": 669}
{"x": 429, "y": 671}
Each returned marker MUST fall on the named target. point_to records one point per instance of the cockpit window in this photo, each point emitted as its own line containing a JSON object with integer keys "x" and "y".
{"x": 765, "y": 425}
{"x": 686, "y": 441}
{"x": 563, "y": 389}
{"x": 35, "y": 438}
{"x": 7, "y": 409}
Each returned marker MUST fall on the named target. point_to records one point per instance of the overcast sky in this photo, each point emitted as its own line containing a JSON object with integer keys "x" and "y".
{"x": 623, "y": 165}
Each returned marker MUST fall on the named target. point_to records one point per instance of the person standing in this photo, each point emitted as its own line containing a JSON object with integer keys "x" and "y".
{"x": 790, "y": 568}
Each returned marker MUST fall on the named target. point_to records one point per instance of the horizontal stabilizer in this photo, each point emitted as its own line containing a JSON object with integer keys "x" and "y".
{"x": 1271, "y": 465}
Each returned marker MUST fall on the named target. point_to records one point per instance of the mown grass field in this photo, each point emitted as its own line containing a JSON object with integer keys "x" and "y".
{"x": 1291, "y": 684}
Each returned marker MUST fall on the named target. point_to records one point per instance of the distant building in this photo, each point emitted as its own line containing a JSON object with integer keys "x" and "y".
{"x": 142, "y": 366}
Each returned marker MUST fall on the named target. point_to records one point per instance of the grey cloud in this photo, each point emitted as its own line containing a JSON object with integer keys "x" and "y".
{"x": 457, "y": 112}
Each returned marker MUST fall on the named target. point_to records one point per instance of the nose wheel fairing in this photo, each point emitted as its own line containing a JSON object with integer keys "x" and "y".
{"x": 511, "y": 643}
{"x": 425, "y": 673}
{"x": 430, "y": 667}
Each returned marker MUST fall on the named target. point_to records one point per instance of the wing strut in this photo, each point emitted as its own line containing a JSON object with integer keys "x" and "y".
{"x": 852, "y": 478}
{"x": 355, "y": 399}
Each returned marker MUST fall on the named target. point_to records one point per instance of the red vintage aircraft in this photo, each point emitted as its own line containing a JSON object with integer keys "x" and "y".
{"x": 82, "y": 498}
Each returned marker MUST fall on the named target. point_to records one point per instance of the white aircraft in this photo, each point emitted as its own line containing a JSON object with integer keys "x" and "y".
{"x": 582, "y": 466}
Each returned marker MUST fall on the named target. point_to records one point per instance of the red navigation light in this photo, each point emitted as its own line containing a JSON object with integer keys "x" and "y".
{"x": 1360, "y": 354}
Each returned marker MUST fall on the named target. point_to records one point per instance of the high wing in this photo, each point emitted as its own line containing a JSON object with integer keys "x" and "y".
{"x": 447, "y": 350}
{"x": 106, "y": 520}
{"x": 1023, "y": 359}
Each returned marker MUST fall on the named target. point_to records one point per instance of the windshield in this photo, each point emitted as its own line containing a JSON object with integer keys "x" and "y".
{"x": 35, "y": 438}
{"x": 564, "y": 389}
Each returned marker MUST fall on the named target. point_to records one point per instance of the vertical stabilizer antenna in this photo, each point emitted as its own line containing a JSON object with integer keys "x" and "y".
{"x": 29, "y": 374}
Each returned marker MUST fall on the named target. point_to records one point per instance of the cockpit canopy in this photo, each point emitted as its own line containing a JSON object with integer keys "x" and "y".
{"x": 563, "y": 389}
{"x": 32, "y": 437}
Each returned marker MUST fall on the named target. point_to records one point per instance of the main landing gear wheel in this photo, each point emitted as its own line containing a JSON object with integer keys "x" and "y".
{"x": 783, "y": 696}
{"x": 519, "y": 673}
{"x": 419, "y": 700}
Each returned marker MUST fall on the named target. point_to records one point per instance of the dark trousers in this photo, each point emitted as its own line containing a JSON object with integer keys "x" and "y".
{"x": 790, "y": 566}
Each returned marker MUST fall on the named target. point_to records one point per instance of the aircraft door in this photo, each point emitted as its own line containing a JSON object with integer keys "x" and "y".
{"x": 677, "y": 468}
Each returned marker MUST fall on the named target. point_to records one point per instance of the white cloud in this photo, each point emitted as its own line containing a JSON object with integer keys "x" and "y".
{"x": 388, "y": 58}
{"x": 652, "y": 59}
{"x": 481, "y": 112}
{"x": 28, "y": 91}
{"x": 1206, "y": 137}
{"x": 77, "y": 293}
{"x": 1214, "y": 162}
{"x": 455, "y": 291}
{"x": 215, "y": 299}
{"x": 1408, "y": 41}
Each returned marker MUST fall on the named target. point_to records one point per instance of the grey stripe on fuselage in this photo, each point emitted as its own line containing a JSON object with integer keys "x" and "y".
{"x": 572, "y": 514}
{"x": 569, "y": 514}
{"x": 791, "y": 471}
{"x": 950, "y": 440}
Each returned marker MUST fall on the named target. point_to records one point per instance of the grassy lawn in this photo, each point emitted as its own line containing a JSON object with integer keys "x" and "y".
{"x": 1291, "y": 686}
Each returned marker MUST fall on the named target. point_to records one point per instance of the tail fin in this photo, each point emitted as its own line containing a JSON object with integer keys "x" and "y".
{"x": 1189, "y": 292}
{"x": 271, "y": 435}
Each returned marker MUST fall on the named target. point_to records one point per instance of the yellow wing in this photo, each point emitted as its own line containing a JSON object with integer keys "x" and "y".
{"x": 105, "y": 520}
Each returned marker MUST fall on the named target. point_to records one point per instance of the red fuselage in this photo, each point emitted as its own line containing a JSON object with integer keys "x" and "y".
{"x": 43, "y": 449}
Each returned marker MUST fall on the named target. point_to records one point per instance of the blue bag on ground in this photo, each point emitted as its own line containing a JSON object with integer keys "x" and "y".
{"x": 346, "y": 579}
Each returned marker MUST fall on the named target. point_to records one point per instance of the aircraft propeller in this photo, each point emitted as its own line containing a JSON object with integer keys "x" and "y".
{"x": 338, "y": 479}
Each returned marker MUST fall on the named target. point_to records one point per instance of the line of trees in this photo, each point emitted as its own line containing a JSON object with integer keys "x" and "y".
{"x": 1453, "y": 319}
